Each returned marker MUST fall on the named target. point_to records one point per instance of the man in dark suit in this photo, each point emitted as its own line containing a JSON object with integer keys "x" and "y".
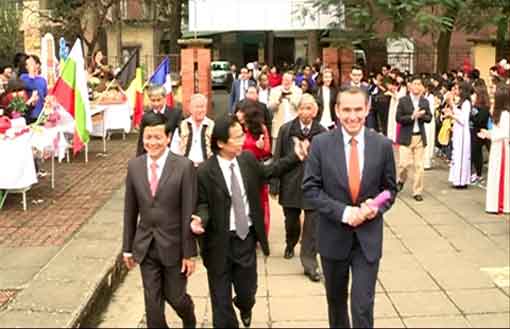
{"x": 231, "y": 77}
{"x": 230, "y": 218}
{"x": 413, "y": 112}
{"x": 357, "y": 81}
{"x": 157, "y": 97}
{"x": 289, "y": 187}
{"x": 239, "y": 88}
{"x": 160, "y": 188}
{"x": 347, "y": 168}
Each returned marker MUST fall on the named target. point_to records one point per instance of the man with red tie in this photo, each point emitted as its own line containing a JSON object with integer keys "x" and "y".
{"x": 160, "y": 189}
{"x": 346, "y": 169}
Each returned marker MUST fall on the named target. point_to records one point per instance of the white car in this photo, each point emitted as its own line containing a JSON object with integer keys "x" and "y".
{"x": 219, "y": 71}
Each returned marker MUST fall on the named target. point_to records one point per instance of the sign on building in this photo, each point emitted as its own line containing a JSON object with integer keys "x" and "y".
{"x": 401, "y": 54}
{"x": 259, "y": 15}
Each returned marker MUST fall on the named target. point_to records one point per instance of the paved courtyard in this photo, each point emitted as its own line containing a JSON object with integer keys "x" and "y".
{"x": 445, "y": 264}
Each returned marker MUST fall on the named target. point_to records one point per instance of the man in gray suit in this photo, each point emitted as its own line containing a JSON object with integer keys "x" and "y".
{"x": 160, "y": 188}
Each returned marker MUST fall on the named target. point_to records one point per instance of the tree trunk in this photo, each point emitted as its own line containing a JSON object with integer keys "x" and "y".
{"x": 313, "y": 46}
{"x": 175, "y": 19}
{"x": 502, "y": 34}
{"x": 443, "y": 43}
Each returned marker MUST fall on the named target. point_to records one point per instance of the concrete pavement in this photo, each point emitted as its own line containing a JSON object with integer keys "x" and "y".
{"x": 445, "y": 264}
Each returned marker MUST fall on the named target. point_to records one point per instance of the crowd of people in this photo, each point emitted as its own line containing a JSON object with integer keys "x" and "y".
{"x": 303, "y": 138}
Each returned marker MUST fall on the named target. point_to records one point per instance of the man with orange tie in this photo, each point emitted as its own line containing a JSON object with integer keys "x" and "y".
{"x": 346, "y": 169}
{"x": 160, "y": 189}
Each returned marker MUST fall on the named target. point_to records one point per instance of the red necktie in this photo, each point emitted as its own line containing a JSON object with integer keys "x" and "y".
{"x": 154, "y": 178}
{"x": 354, "y": 172}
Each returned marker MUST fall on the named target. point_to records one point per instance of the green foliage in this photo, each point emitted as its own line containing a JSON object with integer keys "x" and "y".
{"x": 10, "y": 36}
{"x": 18, "y": 104}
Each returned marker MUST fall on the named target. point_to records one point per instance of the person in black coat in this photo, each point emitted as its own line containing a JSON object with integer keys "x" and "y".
{"x": 302, "y": 128}
{"x": 326, "y": 99}
{"x": 157, "y": 97}
{"x": 230, "y": 220}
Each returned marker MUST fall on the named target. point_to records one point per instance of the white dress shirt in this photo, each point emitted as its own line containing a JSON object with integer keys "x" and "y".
{"x": 264, "y": 95}
{"x": 195, "y": 153}
{"x": 243, "y": 86}
{"x": 360, "y": 138}
{"x": 303, "y": 126}
{"x": 416, "y": 104}
{"x": 326, "y": 119}
{"x": 225, "y": 169}
{"x": 160, "y": 162}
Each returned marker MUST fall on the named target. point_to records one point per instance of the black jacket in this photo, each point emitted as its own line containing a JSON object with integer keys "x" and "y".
{"x": 289, "y": 185}
{"x": 405, "y": 109}
{"x": 332, "y": 102}
{"x": 214, "y": 204}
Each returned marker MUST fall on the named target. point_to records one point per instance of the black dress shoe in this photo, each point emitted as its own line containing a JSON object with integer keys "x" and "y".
{"x": 313, "y": 276}
{"x": 246, "y": 318}
{"x": 400, "y": 186}
{"x": 418, "y": 198}
{"x": 288, "y": 254}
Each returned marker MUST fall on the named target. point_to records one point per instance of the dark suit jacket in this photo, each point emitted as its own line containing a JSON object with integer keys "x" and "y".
{"x": 332, "y": 102}
{"x": 326, "y": 187}
{"x": 289, "y": 186}
{"x": 405, "y": 109}
{"x": 214, "y": 204}
{"x": 235, "y": 93}
{"x": 174, "y": 117}
{"x": 229, "y": 79}
{"x": 164, "y": 218}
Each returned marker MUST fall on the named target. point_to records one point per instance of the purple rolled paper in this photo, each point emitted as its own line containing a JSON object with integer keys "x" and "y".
{"x": 381, "y": 199}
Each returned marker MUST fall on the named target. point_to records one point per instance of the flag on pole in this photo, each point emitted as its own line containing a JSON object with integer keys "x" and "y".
{"x": 71, "y": 93}
{"x": 128, "y": 71}
{"x": 135, "y": 97}
{"x": 161, "y": 76}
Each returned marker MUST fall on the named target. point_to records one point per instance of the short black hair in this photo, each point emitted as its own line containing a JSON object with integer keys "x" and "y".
{"x": 35, "y": 58}
{"x": 221, "y": 131}
{"x": 153, "y": 119}
{"x": 415, "y": 77}
{"x": 356, "y": 67}
{"x": 387, "y": 66}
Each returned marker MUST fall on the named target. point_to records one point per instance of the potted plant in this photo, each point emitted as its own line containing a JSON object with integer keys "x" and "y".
{"x": 17, "y": 107}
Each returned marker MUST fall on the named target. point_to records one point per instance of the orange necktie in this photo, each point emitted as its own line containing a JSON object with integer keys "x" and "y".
{"x": 354, "y": 172}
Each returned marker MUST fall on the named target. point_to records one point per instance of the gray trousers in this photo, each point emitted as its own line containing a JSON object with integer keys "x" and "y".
{"x": 308, "y": 252}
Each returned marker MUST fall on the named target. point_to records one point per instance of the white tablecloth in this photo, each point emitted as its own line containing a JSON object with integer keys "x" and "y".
{"x": 115, "y": 116}
{"x": 17, "y": 169}
{"x": 50, "y": 140}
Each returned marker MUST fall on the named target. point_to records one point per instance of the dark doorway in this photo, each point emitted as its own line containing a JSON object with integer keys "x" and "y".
{"x": 284, "y": 50}
{"x": 250, "y": 52}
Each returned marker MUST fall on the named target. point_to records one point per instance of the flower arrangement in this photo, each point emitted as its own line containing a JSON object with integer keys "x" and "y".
{"x": 17, "y": 107}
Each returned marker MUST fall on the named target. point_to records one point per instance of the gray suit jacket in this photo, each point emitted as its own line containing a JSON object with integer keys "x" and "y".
{"x": 166, "y": 217}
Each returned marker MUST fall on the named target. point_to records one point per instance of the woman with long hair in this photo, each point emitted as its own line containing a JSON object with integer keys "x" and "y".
{"x": 257, "y": 141}
{"x": 478, "y": 119}
{"x": 498, "y": 177}
{"x": 326, "y": 99}
{"x": 460, "y": 169}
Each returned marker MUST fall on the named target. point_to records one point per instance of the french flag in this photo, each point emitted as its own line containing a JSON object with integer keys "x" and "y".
{"x": 161, "y": 76}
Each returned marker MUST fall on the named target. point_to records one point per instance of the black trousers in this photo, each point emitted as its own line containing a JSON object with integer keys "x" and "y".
{"x": 240, "y": 272}
{"x": 308, "y": 252}
{"x": 364, "y": 276}
{"x": 477, "y": 145}
{"x": 162, "y": 283}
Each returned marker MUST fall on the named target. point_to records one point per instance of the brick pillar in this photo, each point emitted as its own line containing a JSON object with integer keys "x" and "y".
{"x": 196, "y": 71}
{"x": 346, "y": 61}
{"x": 340, "y": 60}
{"x": 330, "y": 61}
